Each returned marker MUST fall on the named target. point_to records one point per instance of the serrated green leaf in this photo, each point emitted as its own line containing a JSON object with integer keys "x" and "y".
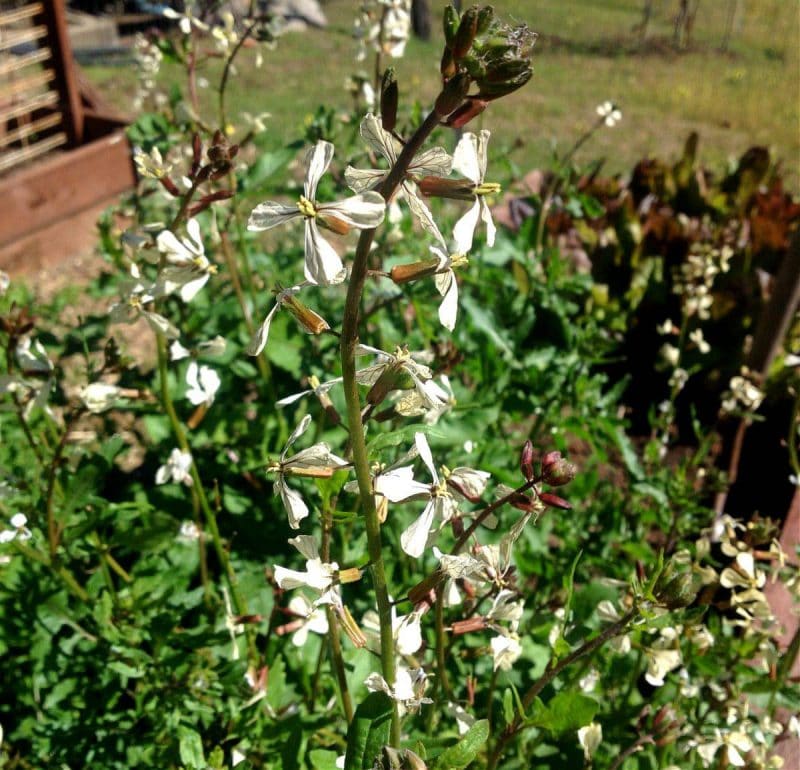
{"x": 369, "y": 731}
{"x": 465, "y": 751}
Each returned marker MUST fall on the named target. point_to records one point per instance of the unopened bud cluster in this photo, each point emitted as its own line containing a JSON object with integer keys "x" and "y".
{"x": 481, "y": 51}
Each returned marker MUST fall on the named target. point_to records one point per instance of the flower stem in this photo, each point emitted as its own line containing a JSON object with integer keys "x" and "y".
{"x": 615, "y": 629}
{"x": 349, "y": 340}
{"x": 239, "y": 603}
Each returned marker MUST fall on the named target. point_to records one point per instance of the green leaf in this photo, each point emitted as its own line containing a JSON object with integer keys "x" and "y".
{"x": 276, "y": 684}
{"x": 465, "y": 751}
{"x": 191, "y": 749}
{"x": 322, "y": 759}
{"x": 369, "y": 731}
{"x": 403, "y": 436}
{"x": 565, "y": 713}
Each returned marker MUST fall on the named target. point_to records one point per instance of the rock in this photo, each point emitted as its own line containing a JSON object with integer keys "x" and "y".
{"x": 306, "y": 12}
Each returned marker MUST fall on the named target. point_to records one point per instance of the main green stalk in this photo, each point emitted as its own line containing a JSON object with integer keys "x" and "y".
{"x": 349, "y": 341}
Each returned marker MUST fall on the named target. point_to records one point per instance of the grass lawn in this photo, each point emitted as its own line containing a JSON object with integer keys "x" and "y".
{"x": 587, "y": 52}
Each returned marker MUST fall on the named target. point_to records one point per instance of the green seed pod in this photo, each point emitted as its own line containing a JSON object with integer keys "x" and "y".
{"x": 506, "y": 70}
{"x": 467, "y": 30}
{"x": 451, "y": 21}
{"x": 390, "y": 96}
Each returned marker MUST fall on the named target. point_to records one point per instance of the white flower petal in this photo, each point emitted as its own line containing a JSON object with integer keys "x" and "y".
{"x": 323, "y": 265}
{"x": 296, "y": 433}
{"x": 359, "y": 180}
{"x": 259, "y": 340}
{"x": 425, "y": 454}
{"x": 486, "y": 216}
{"x": 318, "y": 158}
{"x": 364, "y": 211}
{"x": 415, "y": 538}
{"x": 271, "y": 214}
{"x": 465, "y": 158}
{"x": 464, "y": 231}
{"x": 398, "y": 485}
{"x": 447, "y": 286}
{"x": 296, "y": 509}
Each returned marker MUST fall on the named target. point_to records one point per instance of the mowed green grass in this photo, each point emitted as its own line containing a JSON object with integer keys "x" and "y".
{"x": 587, "y": 52}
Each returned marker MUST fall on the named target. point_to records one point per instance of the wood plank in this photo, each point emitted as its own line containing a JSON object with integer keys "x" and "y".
{"x": 38, "y": 102}
{"x": 9, "y": 160}
{"x": 9, "y": 40}
{"x": 55, "y": 19}
{"x": 30, "y": 129}
{"x": 20, "y": 14}
{"x": 17, "y": 63}
{"x": 88, "y": 174}
{"x": 15, "y": 87}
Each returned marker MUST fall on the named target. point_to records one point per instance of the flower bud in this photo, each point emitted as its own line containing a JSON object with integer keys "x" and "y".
{"x": 414, "y": 270}
{"x": 349, "y": 575}
{"x": 448, "y": 64}
{"x": 312, "y": 322}
{"x": 526, "y": 461}
{"x": 677, "y": 592}
{"x": 453, "y": 94}
{"x": 469, "y": 109}
{"x": 100, "y": 396}
{"x": 554, "y": 501}
{"x": 419, "y": 593}
{"x": 389, "y": 98}
{"x": 450, "y": 22}
{"x": 388, "y": 380}
{"x": 489, "y": 91}
{"x": 485, "y": 19}
{"x": 556, "y": 471}
{"x": 467, "y": 30}
{"x": 469, "y": 625}
{"x": 439, "y": 187}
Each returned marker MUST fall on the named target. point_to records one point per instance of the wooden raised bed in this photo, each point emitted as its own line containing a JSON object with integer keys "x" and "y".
{"x": 62, "y": 151}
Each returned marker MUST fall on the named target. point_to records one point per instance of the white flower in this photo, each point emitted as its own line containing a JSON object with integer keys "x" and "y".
{"x": 5, "y": 282}
{"x": 19, "y": 531}
{"x": 133, "y": 307}
{"x": 408, "y": 690}
{"x": 99, "y": 396}
{"x": 309, "y": 320}
{"x": 663, "y": 656}
{"x": 177, "y": 468}
{"x": 150, "y": 164}
{"x": 384, "y": 26}
{"x": 434, "y": 161}
{"x": 506, "y": 607}
{"x": 319, "y": 575}
{"x": 256, "y": 122}
{"x": 399, "y": 484}
{"x": 735, "y": 742}
{"x": 610, "y": 113}
{"x": 505, "y": 651}
{"x": 697, "y": 338}
{"x": 187, "y": 20}
{"x": 406, "y": 630}
{"x": 412, "y": 404}
{"x": 429, "y": 393}
{"x": 32, "y": 357}
{"x": 464, "y": 720}
{"x": 366, "y": 210}
{"x": 590, "y": 738}
{"x": 314, "y": 619}
{"x": 203, "y": 384}
{"x": 188, "y": 268}
{"x": 469, "y": 159}
{"x": 317, "y": 460}
{"x": 189, "y": 532}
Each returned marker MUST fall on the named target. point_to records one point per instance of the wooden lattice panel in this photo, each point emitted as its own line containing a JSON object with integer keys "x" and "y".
{"x": 40, "y": 110}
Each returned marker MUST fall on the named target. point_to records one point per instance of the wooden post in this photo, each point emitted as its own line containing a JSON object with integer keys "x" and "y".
{"x": 54, "y": 17}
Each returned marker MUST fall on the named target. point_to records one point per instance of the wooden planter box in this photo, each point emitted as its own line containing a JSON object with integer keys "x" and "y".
{"x": 62, "y": 151}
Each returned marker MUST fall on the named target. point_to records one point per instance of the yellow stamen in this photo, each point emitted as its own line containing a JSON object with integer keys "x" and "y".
{"x": 307, "y": 208}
